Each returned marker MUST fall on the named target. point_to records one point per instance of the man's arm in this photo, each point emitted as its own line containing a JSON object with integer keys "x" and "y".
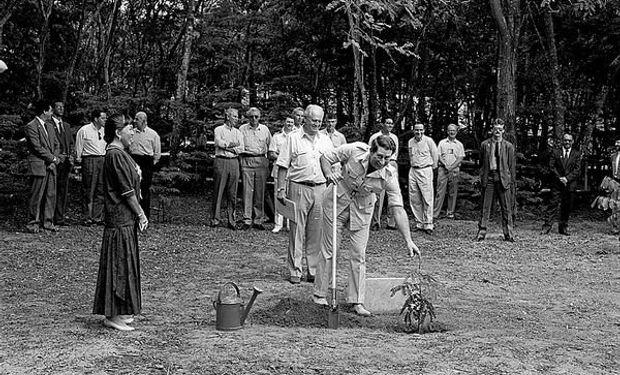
{"x": 32, "y": 134}
{"x": 79, "y": 144}
{"x": 156, "y": 148}
{"x": 402, "y": 223}
{"x": 434, "y": 153}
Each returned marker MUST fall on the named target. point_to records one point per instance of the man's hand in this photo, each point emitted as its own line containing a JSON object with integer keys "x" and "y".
{"x": 413, "y": 249}
{"x": 564, "y": 180}
{"x": 280, "y": 195}
{"x": 333, "y": 177}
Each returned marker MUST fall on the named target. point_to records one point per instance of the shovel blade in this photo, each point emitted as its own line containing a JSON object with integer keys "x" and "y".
{"x": 333, "y": 318}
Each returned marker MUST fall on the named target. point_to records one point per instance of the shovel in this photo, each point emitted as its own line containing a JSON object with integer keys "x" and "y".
{"x": 333, "y": 319}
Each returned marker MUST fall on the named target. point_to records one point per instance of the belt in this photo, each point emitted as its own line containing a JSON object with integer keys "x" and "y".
{"x": 93, "y": 156}
{"x": 225, "y": 157}
{"x": 253, "y": 156}
{"x": 416, "y": 167}
{"x": 309, "y": 183}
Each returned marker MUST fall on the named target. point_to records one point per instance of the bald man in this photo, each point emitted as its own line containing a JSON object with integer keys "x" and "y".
{"x": 146, "y": 151}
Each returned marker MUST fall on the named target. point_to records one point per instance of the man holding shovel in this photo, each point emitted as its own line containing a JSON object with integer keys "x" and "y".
{"x": 365, "y": 174}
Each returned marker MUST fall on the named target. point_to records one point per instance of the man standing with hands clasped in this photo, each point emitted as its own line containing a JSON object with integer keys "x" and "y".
{"x": 497, "y": 177}
{"x": 65, "y": 141}
{"x": 423, "y": 158}
{"x": 146, "y": 151}
{"x": 365, "y": 173}
{"x": 565, "y": 166}
{"x": 451, "y": 154}
{"x": 299, "y": 161}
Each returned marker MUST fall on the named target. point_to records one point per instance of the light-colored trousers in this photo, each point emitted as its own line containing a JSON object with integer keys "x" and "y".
{"x": 356, "y": 289}
{"x": 254, "y": 170}
{"x": 305, "y": 234}
{"x": 446, "y": 181}
{"x": 376, "y": 216}
{"x": 421, "y": 196}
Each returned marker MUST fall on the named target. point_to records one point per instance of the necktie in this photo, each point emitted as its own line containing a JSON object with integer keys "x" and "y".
{"x": 566, "y": 154}
{"x": 497, "y": 154}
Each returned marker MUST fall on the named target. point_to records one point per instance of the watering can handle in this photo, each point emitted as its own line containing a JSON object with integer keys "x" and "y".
{"x": 219, "y": 294}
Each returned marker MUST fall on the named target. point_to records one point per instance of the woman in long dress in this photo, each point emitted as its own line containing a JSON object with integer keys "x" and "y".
{"x": 118, "y": 293}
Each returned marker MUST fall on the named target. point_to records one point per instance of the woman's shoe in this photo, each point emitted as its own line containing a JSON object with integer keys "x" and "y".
{"x": 117, "y": 323}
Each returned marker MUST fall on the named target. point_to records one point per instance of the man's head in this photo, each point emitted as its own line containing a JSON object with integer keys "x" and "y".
{"x": 288, "y": 125}
{"x": 418, "y": 131}
{"x": 99, "y": 117}
{"x": 388, "y": 125}
{"x": 498, "y": 129}
{"x": 452, "y": 130}
{"x": 42, "y": 109}
{"x": 381, "y": 151}
{"x": 232, "y": 116}
{"x": 331, "y": 122}
{"x": 618, "y": 145}
{"x": 567, "y": 141}
{"x": 253, "y": 115}
{"x": 298, "y": 116}
{"x": 313, "y": 118}
{"x": 59, "y": 109}
{"x": 141, "y": 121}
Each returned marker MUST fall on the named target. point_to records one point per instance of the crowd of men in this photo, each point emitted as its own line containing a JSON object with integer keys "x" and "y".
{"x": 53, "y": 152}
{"x": 306, "y": 158}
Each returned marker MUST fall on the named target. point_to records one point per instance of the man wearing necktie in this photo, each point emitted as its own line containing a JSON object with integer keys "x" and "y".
{"x": 63, "y": 169}
{"x": 42, "y": 161}
{"x": 565, "y": 166}
{"x": 497, "y": 178}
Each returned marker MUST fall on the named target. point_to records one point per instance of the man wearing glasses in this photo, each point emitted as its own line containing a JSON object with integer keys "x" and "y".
{"x": 254, "y": 169}
{"x": 90, "y": 153}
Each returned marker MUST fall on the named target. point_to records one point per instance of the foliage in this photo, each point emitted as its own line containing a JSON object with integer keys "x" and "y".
{"x": 418, "y": 310}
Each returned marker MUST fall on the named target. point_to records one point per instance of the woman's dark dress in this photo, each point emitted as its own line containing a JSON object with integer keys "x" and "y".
{"x": 118, "y": 289}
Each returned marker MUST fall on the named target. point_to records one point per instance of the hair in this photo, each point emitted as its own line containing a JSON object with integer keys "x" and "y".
{"x": 498, "y": 122}
{"x": 252, "y": 110}
{"x": 141, "y": 114}
{"x": 383, "y": 141}
{"x": 330, "y": 116}
{"x": 96, "y": 113}
{"x": 449, "y": 125}
{"x": 230, "y": 110}
{"x": 113, "y": 123}
{"x": 295, "y": 110}
{"x": 40, "y": 106}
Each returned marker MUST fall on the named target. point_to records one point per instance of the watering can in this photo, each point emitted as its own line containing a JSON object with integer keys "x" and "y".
{"x": 229, "y": 312}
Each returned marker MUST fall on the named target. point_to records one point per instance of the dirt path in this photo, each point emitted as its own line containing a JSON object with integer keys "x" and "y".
{"x": 546, "y": 304}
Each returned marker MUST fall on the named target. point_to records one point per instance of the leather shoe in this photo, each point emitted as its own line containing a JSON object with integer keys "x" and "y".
{"x": 117, "y": 324}
{"x": 232, "y": 226}
{"x": 375, "y": 227}
{"x": 50, "y": 228}
{"x": 359, "y": 309}
{"x": 244, "y": 226}
{"x": 320, "y": 300}
{"x": 481, "y": 235}
{"x": 215, "y": 223}
{"x": 390, "y": 227}
{"x": 564, "y": 232}
{"x": 259, "y": 226}
{"x": 294, "y": 279}
{"x": 33, "y": 228}
{"x": 309, "y": 278}
{"x": 509, "y": 239}
{"x": 545, "y": 229}
{"x": 428, "y": 231}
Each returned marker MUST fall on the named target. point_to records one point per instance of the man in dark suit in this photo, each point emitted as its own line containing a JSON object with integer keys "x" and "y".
{"x": 497, "y": 178}
{"x": 565, "y": 167}
{"x": 43, "y": 159}
{"x": 65, "y": 140}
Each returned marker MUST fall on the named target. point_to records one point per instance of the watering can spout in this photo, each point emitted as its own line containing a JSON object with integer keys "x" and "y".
{"x": 246, "y": 312}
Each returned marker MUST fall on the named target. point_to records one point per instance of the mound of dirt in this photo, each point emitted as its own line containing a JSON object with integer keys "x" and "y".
{"x": 291, "y": 312}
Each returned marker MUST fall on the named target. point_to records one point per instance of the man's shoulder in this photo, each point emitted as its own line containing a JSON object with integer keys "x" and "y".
{"x": 357, "y": 146}
{"x": 151, "y": 130}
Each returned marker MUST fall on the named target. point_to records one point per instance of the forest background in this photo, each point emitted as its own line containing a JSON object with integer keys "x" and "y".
{"x": 546, "y": 67}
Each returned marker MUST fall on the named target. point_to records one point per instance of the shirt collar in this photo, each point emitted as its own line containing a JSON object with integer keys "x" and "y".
{"x": 41, "y": 121}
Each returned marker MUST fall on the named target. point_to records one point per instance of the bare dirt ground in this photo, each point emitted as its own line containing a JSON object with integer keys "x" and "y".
{"x": 543, "y": 305}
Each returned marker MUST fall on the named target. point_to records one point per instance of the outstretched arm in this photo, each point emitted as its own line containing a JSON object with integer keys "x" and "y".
{"x": 402, "y": 223}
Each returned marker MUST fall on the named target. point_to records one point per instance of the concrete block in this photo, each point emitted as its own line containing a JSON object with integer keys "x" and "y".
{"x": 378, "y": 298}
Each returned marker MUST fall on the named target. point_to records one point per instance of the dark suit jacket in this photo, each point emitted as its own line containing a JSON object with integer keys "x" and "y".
{"x": 569, "y": 168}
{"x": 65, "y": 139}
{"x": 43, "y": 147}
{"x": 508, "y": 163}
{"x": 613, "y": 165}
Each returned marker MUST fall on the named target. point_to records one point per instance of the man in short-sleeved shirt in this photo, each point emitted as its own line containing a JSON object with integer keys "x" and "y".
{"x": 228, "y": 145}
{"x": 146, "y": 151}
{"x": 451, "y": 154}
{"x": 423, "y": 158}
{"x": 338, "y": 139}
{"x": 90, "y": 152}
{"x": 278, "y": 140}
{"x": 386, "y": 129}
{"x": 254, "y": 169}
{"x": 365, "y": 173}
{"x": 299, "y": 161}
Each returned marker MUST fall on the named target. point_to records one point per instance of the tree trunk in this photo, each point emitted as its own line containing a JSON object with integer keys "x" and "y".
{"x": 507, "y": 16}
{"x": 187, "y": 52}
{"x": 559, "y": 108}
{"x": 5, "y": 14}
{"x": 74, "y": 55}
{"x": 46, "y": 11}
{"x": 372, "y": 94}
{"x": 108, "y": 48}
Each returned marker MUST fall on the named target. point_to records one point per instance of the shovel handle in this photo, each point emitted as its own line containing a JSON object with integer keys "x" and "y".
{"x": 334, "y": 238}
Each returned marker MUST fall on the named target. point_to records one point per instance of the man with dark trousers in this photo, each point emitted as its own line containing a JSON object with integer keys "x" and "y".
{"x": 146, "y": 151}
{"x": 63, "y": 169}
{"x": 42, "y": 162}
{"x": 90, "y": 153}
{"x": 565, "y": 167}
{"x": 497, "y": 178}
